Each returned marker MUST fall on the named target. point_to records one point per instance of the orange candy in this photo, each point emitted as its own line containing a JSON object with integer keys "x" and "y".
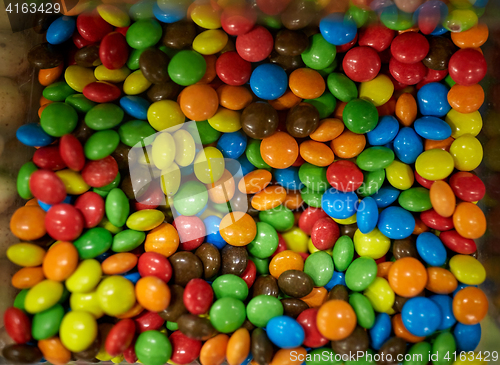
{"x": 238, "y": 228}
{"x": 60, "y": 261}
{"x": 210, "y": 73}
{"x": 469, "y": 220}
{"x": 316, "y": 153}
{"x": 152, "y": 293}
{"x": 269, "y": 198}
{"x": 213, "y": 351}
{"x": 348, "y": 144}
{"x": 119, "y": 263}
{"x": 45, "y": 101}
{"x": 328, "y": 129}
{"x": 48, "y": 76}
{"x": 199, "y": 102}
{"x": 293, "y": 200}
{"x": 234, "y": 97}
{"x": 27, "y": 277}
{"x": 223, "y": 189}
{"x": 400, "y": 330}
{"x": 466, "y": 99}
{"x": 339, "y": 110}
{"x": 306, "y": 83}
{"x": 316, "y": 297}
{"x": 471, "y": 38}
{"x": 470, "y": 305}
{"x": 54, "y": 351}
{"x": 406, "y": 109}
{"x": 164, "y": 239}
{"x": 295, "y": 356}
{"x": 442, "y": 198}
{"x": 279, "y": 150}
{"x": 336, "y": 320}
{"x": 440, "y": 281}
{"x": 28, "y": 223}
{"x": 383, "y": 269}
{"x": 420, "y": 226}
{"x": 443, "y": 144}
{"x": 286, "y": 101}
{"x": 388, "y": 108}
{"x": 238, "y": 347}
{"x": 407, "y": 277}
{"x": 254, "y": 181}
{"x": 285, "y": 260}
{"x": 132, "y": 312}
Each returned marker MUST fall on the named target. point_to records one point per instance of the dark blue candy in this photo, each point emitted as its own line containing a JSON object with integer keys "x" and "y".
{"x": 61, "y": 30}
{"x": 431, "y": 249}
{"x": 396, "y": 223}
{"x": 337, "y": 29}
{"x": 432, "y": 128}
{"x": 467, "y": 337}
{"x": 432, "y": 99}
{"x": 380, "y": 331}
{"x": 135, "y": 106}
{"x": 385, "y": 131}
{"x": 338, "y": 278}
{"x": 232, "y": 145}
{"x": 421, "y": 316}
{"x": 408, "y": 145}
{"x": 212, "y": 223}
{"x": 33, "y": 135}
{"x": 385, "y": 196}
{"x": 288, "y": 178}
{"x": 367, "y": 215}
{"x": 339, "y": 205}
{"x": 285, "y": 332}
{"x": 445, "y": 304}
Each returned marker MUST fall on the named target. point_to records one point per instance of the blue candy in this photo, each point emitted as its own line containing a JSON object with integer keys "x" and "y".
{"x": 268, "y": 81}
{"x": 338, "y": 278}
{"x": 33, "y": 135}
{"x": 61, "y": 30}
{"x": 212, "y": 223}
{"x": 421, "y": 316}
{"x": 385, "y": 131}
{"x": 169, "y": 12}
{"x": 367, "y": 215}
{"x": 288, "y": 178}
{"x": 396, "y": 223}
{"x": 339, "y": 205}
{"x": 337, "y": 29}
{"x": 133, "y": 277}
{"x": 135, "y": 106}
{"x": 285, "y": 332}
{"x": 445, "y": 304}
{"x": 460, "y": 287}
{"x": 46, "y": 206}
{"x": 385, "y": 196}
{"x": 432, "y": 99}
{"x": 408, "y": 145}
{"x": 467, "y": 337}
{"x": 246, "y": 166}
{"x": 432, "y": 128}
{"x": 431, "y": 249}
{"x": 380, "y": 331}
{"x": 232, "y": 145}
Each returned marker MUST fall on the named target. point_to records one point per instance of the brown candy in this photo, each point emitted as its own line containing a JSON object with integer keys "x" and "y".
{"x": 42, "y": 21}
{"x": 185, "y": 266}
{"x": 290, "y": 43}
{"x": 120, "y": 154}
{"x": 45, "y": 55}
{"x": 241, "y": 202}
{"x": 261, "y": 347}
{"x": 348, "y": 229}
{"x": 357, "y": 341}
{"x": 210, "y": 257}
{"x": 179, "y": 35}
{"x": 405, "y": 248}
{"x": 265, "y": 285}
{"x": 90, "y": 352}
{"x": 298, "y": 14}
{"x": 196, "y": 327}
{"x": 82, "y": 132}
{"x": 440, "y": 51}
{"x": 88, "y": 56}
{"x": 154, "y": 65}
{"x": 176, "y": 307}
{"x": 339, "y": 292}
{"x": 400, "y": 301}
{"x": 234, "y": 260}
{"x": 249, "y": 326}
{"x": 259, "y": 120}
{"x": 166, "y": 91}
{"x": 295, "y": 283}
{"x": 22, "y": 354}
{"x": 287, "y": 63}
{"x": 390, "y": 351}
{"x": 302, "y": 120}
{"x": 292, "y": 307}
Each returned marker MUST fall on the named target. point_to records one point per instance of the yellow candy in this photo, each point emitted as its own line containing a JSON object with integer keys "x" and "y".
{"x": 378, "y": 91}
{"x": 209, "y": 165}
{"x": 102, "y": 73}
{"x": 170, "y": 179}
{"x": 145, "y": 220}
{"x": 206, "y": 17}
{"x": 400, "y": 175}
{"x": 116, "y": 295}
{"x": 43, "y": 296}
{"x": 210, "y": 42}
{"x": 165, "y": 114}
{"x": 87, "y": 302}
{"x": 185, "y": 147}
{"x": 470, "y": 358}
{"x": 117, "y": 359}
{"x": 381, "y": 296}
{"x": 26, "y": 254}
{"x": 135, "y": 83}
{"x": 352, "y": 219}
{"x": 106, "y": 224}
{"x": 460, "y": 123}
{"x": 225, "y": 120}
{"x": 467, "y": 269}
{"x": 467, "y": 152}
{"x": 434, "y": 164}
{"x": 85, "y": 278}
{"x": 77, "y": 77}
{"x": 312, "y": 249}
{"x": 296, "y": 239}
{"x": 373, "y": 244}
{"x": 113, "y": 15}
{"x": 163, "y": 150}
{"x": 78, "y": 330}
{"x": 73, "y": 181}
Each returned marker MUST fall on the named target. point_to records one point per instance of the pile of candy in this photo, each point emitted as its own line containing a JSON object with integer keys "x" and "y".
{"x": 252, "y": 182}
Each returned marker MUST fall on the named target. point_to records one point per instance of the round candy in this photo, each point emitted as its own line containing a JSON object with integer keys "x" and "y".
{"x": 361, "y": 64}
{"x": 336, "y": 320}
{"x": 110, "y": 289}
{"x": 374, "y": 244}
{"x": 337, "y": 29}
{"x": 268, "y": 81}
{"x": 396, "y": 223}
{"x": 78, "y": 330}
{"x": 227, "y": 314}
{"x": 319, "y": 54}
{"x": 434, "y": 164}
{"x": 186, "y": 67}
{"x": 153, "y": 347}
{"x": 432, "y": 99}
{"x": 285, "y": 332}
{"x": 421, "y": 316}
{"x": 255, "y": 45}
{"x": 467, "y": 66}
{"x": 409, "y": 47}
{"x": 360, "y": 116}
{"x": 338, "y": 204}
{"x": 470, "y": 305}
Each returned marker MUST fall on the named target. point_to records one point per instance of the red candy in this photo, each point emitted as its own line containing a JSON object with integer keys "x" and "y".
{"x": 467, "y": 186}
{"x": 376, "y": 36}
{"x": 325, "y": 233}
{"x": 432, "y": 76}
{"x": 154, "y": 264}
{"x": 92, "y": 27}
{"x": 198, "y": 296}
{"x": 64, "y": 222}
{"x": 147, "y": 321}
{"x": 345, "y": 47}
{"x": 129, "y": 354}
{"x": 409, "y": 47}
{"x": 113, "y": 51}
{"x": 184, "y": 349}
{"x": 17, "y": 324}
{"x": 313, "y": 338}
{"x": 91, "y": 205}
{"x": 255, "y": 45}
{"x": 191, "y": 232}
{"x": 150, "y": 199}
{"x": 238, "y": 20}
{"x": 457, "y": 243}
{"x": 101, "y": 92}
{"x": 408, "y": 74}
{"x": 79, "y": 41}
{"x": 100, "y": 173}
{"x": 232, "y": 69}
{"x": 281, "y": 246}
{"x": 344, "y": 176}
{"x": 309, "y": 217}
{"x": 433, "y": 220}
{"x": 361, "y": 64}
{"x": 272, "y": 7}
{"x": 71, "y": 151}
{"x": 250, "y": 272}
{"x": 467, "y": 66}
{"x": 47, "y": 187}
{"x": 49, "y": 158}
{"x": 424, "y": 182}
{"x": 120, "y": 337}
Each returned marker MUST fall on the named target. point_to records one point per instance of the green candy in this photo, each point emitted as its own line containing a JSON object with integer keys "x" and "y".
{"x": 443, "y": 344}
{"x": 170, "y": 52}
{"x": 153, "y": 348}
{"x": 265, "y": 242}
{"x": 372, "y": 181}
{"x": 101, "y": 144}
{"x": 328, "y": 70}
{"x": 23, "y": 180}
{"x": 343, "y": 253}
{"x": 311, "y": 197}
{"x": 322, "y": 356}
{"x": 395, "y": 19}
{"x": 375, "y": 158}
{"x": 363, "y": 309}
{"x": 191, "y": 198}
{"x": 19, "y": 301}
{"x": 187, "y": 67}
{"x": 92, "y": 243}
{"x": 113, "y": 184}
{"x": 262, "y": 308}
{"x": 58, "y": 91}
{"x": 449, "y": 81}
{"x": 419, "y": 354}
{"x": 141, "y": 10}
{"x": 127, "y": 240}
{"x": 227, "y": 314}
{"x": 133, "y": 59}
{"x": 319, "y": 266}
{"x": 361, "y": 273}
{"x": 313, "y": 177}
{"x": 360, "y": 116}
{"x": 280, "y": 217}
{"x": 58, "y": 119}
{"x": 262, "y": 265}
{"x": 230, "y": 286}
{"x": 460, "y": 20}
{"x": 207, "y": 133}
{"x": 80, "y": 103}
{"x": 415, "y": 199}
{"x": 270, "y": 21}
{"x": 135, "y": 131}
{"x": 342, "y": 87}
{"x": 253, "y": 154}
{"x": 172, "y": 326}
{"x": 46, "y": 324}
{"x": 143, "y": 33}
{"x": 104, "y": 116}
{"x": 117, "y": 207}
{"x": 360, "y": 16}
{"x": 320, "y": 54}
{"x": 325, "y": 104}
